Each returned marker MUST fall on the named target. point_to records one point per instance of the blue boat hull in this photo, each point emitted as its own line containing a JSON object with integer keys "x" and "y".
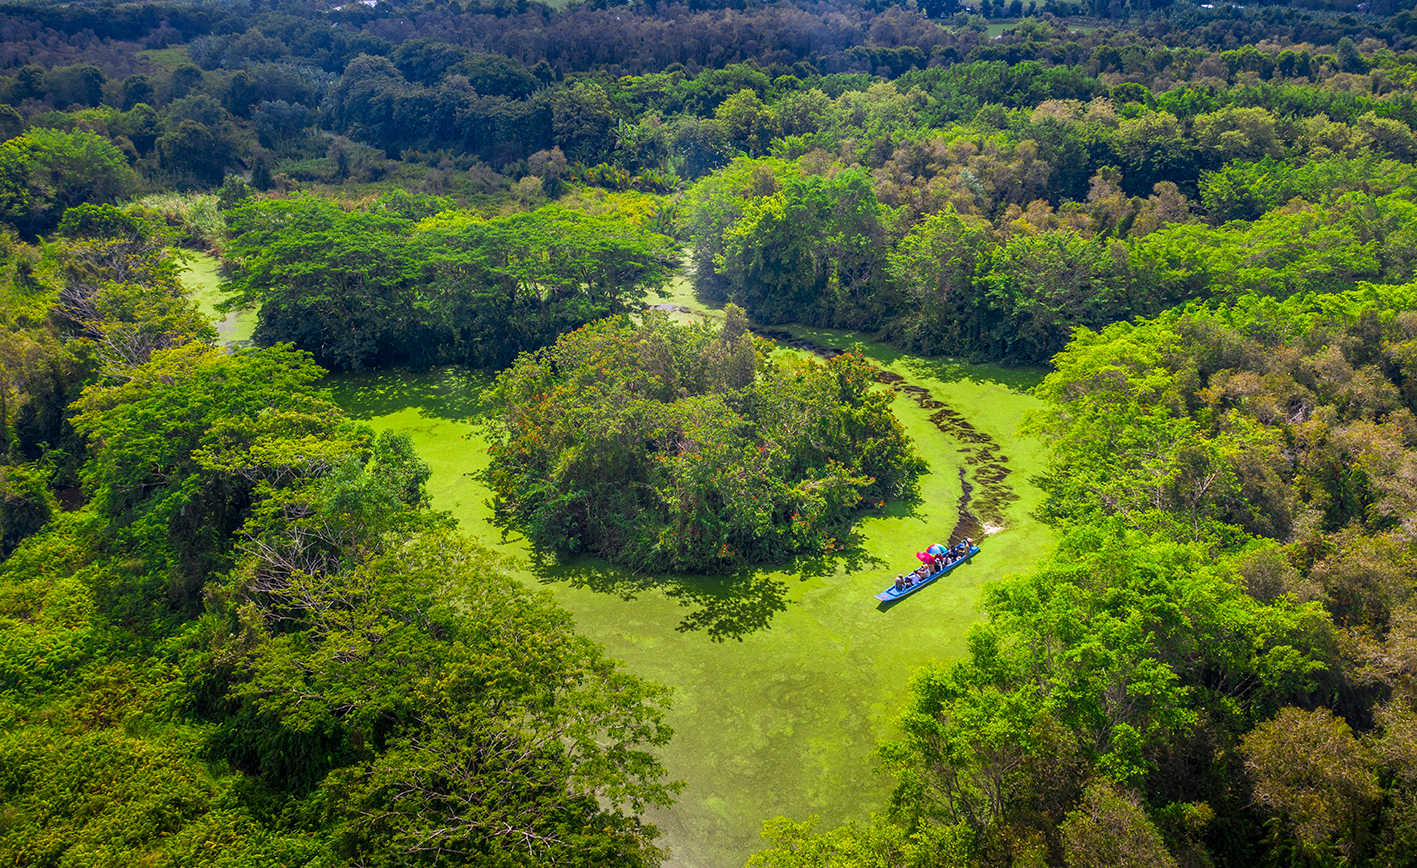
{"x": 890, "y": 595}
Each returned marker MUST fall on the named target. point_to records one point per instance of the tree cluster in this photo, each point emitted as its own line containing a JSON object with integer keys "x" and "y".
{"x": 996, "y": 239}
{"x": 381, "y": 286}
{"x": 242, "y": 632}
{"x": 667, "y": 447}
{"x": 1212, "y": 668}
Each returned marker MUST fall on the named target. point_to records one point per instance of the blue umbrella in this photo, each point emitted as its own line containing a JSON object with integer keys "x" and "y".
{"x": 937, "y": 549}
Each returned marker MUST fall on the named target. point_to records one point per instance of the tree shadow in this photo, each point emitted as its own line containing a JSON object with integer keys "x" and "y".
{"x": 947, "y": 370}
{"x": 452, "y": 393}
{"x": 850, "y": 553}
{"x": 728, "y": 606}
{"x": 724, "y": 607}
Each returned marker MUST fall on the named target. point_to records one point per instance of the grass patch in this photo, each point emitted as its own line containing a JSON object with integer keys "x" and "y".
{"x": 194, "y": 215}
{"x": 167, "y": 58}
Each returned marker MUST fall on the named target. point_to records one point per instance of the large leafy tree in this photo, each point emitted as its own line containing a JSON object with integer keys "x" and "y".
{"x": 259, "y": 581}
{"x": 361, "y": 288}
{"x": 686, "y": 448}
{"x": 45, "y": 171}
{"x": 809, "y": 252}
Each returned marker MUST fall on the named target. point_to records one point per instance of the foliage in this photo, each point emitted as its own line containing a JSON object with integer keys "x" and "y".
{"x": 680, "y": 448}
{"x": 195, "y": 215}
{"x": 1309, "y": 767}
{"x": 255, "y": 640}
{"x": 45, "y": 171}
{"x": 1108, "y": 829}
{"x": 359, "y": 288}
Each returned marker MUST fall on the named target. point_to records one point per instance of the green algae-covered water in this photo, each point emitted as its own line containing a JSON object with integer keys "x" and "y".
{"x": 784, "y": 679}
{"x": 203, "y": 279}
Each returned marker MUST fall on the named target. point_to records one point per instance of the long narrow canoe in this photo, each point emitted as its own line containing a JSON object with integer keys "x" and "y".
{"x": 890, "y": 595}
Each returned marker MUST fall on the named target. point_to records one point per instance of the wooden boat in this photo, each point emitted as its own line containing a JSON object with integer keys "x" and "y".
{"x": 890, "y": 595}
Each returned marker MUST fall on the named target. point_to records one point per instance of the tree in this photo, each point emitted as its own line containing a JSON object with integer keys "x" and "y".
{"x": 808, "y": 253}
{"x": 179, "y": 445}
{"x": 665, "y": 447}
{"x": 61, "y": 170}
{"x": 426, "y": 61}
{"x": 362, "y": 288}
{"x": 185, "y": 79}
{"x": 137, "y": 89}
{"x": 191, "y": 153}
{"x": 120, "y": 286}
{"x": 1047, "y": 284}
{"x": 581, "y": 121}
{"x": 476, "y": 724}
{"x": 1111, "y": 830}
{"x": 1309, "y": 768}
{"x": 747, "y": 122}
{"x": 333, "y": 283}
{"x": 938, "y": 265}
{"x": 1153, "y": 148}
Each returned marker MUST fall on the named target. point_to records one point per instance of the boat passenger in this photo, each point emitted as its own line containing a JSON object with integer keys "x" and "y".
{"x": 900, "y": 583}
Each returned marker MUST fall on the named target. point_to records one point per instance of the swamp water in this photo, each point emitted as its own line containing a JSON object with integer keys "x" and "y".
{"x": 784, "y": 679}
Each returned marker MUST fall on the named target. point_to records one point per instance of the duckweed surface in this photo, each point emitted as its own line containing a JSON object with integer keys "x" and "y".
{"x": 785, "y": 679}
{"x": 203, "y": 278}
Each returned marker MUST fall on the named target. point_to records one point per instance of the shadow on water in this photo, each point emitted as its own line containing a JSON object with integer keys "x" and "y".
{"x": 724, "y": 607}
{"x": 947, "y": 370}
{"x": 450, "y": 393}
{"x": 850, "y": 554}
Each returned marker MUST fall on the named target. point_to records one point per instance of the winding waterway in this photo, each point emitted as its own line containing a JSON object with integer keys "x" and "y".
{"x": 784, "y": 679}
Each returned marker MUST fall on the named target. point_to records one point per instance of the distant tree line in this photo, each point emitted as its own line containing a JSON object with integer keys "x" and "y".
{"x": 447, "y": 88}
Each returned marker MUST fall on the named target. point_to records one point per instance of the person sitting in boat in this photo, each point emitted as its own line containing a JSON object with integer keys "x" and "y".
{"x": 922, "y": 573}
{"x": 900, "y": 583}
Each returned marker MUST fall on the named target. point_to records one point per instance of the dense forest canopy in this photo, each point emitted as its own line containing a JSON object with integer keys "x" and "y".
{"x": 233, "y": 623}
{"x": 1212, "y": 668}
{"x": 255, "y": 635}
